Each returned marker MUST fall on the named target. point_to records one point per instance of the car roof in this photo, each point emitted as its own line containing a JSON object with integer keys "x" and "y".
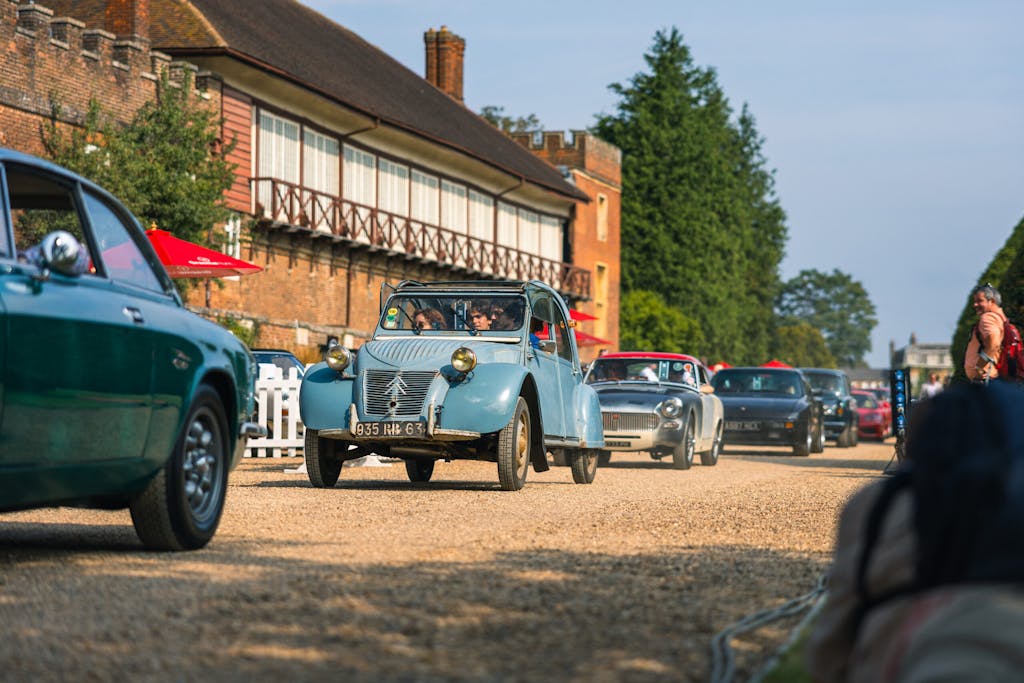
{"x": 285, "y": 351}
{"x": 759, "y": 368}
{"x": 661, "y": 355}
{"x": 828, "y": 371}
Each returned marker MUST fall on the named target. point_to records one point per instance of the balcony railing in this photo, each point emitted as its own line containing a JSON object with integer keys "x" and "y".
{"x": 284, "y": 202}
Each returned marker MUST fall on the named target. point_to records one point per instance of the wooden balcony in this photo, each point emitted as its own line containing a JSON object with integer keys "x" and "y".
{"x": 363, "y": 226}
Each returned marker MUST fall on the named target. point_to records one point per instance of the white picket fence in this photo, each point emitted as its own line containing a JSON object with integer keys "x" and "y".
{"x": 278, "y": 399}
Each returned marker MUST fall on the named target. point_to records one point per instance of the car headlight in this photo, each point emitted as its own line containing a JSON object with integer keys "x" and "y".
{"x": 338, "y": 358}
{"x": 671, "y": 408}
{"x": 463, "y": 359}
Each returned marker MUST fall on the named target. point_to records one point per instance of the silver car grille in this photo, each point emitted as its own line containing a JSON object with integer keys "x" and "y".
{"x": 392, "y": 393}
{"x": 629, "y": 422}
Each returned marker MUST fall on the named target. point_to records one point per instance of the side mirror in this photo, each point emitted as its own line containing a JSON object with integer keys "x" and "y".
{"x": 547, "y": 345}
{"x": 61, "y": 252}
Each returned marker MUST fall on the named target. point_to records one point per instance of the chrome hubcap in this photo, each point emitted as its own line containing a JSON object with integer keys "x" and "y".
{"x": 201, "y": 466}
{"x": 522, "y": 444}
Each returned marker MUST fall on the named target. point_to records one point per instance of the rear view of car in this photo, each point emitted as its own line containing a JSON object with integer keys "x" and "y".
{"x": 769, "y": 407}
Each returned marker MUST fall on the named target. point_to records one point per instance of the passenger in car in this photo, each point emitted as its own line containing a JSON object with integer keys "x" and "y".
{"x": 429, "y": 319}
{"x": 480, "y": 316}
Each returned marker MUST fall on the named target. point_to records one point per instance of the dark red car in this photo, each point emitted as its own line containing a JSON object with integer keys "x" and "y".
{"x": 875, "y": 417}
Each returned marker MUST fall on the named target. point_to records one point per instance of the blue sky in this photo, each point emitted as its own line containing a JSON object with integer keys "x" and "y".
{"x": 896, "y": 130}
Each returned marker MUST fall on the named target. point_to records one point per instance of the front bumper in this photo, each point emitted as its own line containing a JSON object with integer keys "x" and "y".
{"x": 640, "y": 431}
{"x": 764, "y": 432}
{"x": 393, "y": 430}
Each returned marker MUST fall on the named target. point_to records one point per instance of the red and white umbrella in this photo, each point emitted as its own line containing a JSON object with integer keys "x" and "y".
{"x": 182, "y": 258}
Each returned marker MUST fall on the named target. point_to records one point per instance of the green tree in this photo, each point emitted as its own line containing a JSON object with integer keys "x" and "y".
{"x": 496, "y": 117}
{"x": 1006, "y": 273}
{"x": 697, "y": 201}
{"x": 647, "y": 323}
{"x": 837, "y": 305}
{"x": 802, "y": 346}
{"x": 167, "y": 164}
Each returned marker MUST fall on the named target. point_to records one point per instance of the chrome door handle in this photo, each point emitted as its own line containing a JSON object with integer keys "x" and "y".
{"x": 134, "y": 314}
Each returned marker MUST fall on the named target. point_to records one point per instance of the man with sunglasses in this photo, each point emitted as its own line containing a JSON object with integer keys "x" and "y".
{"x": 986, "y": 340}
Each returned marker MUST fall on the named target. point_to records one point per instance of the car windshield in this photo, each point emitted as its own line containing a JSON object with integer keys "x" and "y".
{"x": 822, "y": 381}
{"x": 280, "y": 359}
{"x": 757, "y": 382}
{"x": 431, "y": 313}
{"x": 674, "y": 371}
{"x": 865, "y": 401}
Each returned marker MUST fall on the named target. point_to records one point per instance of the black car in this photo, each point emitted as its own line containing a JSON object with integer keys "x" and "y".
{"x": 770, "y": 407}
{"x": 832, "y": 387}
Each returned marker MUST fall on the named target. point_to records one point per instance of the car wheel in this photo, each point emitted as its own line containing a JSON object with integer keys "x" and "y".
{"x": 584, "y": 465}
{"x": 682, "y": 454}
{"x": 323, "y": 466}
{"x": 419, "y": 470}
{"x": 804, "y": 447}
{"x": 854, "y": 434}
{"x": 604, "y": 457}
{"x": 843, "y": 440}
{"x": 181, "y": 507}
{"x": 710, "y": 457}
{"x": 819, "y": 441}
{"x": 514, "y": 449}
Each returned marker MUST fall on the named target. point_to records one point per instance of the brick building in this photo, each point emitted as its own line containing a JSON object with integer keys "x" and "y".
{"x": 351, "y": 170}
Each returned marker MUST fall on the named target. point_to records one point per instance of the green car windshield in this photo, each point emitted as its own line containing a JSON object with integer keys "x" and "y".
{"x": 429, "y": 314}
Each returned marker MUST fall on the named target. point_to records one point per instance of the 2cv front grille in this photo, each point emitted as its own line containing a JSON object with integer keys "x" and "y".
{"x": 394, "y": 393}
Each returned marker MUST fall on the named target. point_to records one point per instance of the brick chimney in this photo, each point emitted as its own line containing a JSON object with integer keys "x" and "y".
{"x": 445, "y": 52}
{"x": 128, "y": 19}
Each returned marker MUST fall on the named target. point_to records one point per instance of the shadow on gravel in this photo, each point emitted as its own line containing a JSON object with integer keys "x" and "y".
{"x": 234, "y": 613}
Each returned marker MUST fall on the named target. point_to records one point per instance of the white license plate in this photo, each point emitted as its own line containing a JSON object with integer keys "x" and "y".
{"x": 742, "y": 426}
{"x": 391, "y": 429}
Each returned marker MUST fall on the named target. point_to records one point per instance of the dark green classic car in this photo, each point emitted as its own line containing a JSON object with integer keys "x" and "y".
{"x": 112, "y": 394}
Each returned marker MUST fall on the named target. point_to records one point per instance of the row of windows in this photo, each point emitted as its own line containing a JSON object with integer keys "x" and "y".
{"x": 399, "y": 190}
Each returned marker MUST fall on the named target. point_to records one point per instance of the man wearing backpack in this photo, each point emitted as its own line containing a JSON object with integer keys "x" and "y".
{"x": 985, "y": 344}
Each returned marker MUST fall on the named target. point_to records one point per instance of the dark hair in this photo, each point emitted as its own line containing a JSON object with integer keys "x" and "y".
{"x": 990, "y": 292}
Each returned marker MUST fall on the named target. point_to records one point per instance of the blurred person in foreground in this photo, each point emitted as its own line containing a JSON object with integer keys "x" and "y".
{"x": 927, "y": 581}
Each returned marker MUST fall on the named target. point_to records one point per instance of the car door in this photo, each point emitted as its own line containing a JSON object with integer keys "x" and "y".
{"x": 545, "y": 366}
{"x": 77, "y": 371}
{"x": 707, "y": 409}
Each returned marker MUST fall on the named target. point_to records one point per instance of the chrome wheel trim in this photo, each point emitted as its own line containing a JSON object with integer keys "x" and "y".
{"x": 522, "y": 445}
{"x": 202, "y": 461}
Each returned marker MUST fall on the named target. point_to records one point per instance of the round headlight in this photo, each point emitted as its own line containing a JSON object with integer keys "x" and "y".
{"x": 671, "y": 408}
{"x": 338, "y": 358}
{"x": 463, "y": 359}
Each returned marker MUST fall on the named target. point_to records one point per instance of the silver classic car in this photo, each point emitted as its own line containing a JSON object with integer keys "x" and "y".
{"x": 456, "y": 370}
{"x": 660, "y": 403}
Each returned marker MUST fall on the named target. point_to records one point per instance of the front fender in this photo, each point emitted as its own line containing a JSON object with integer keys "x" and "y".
{"x": 324, "y": 398}
{"x": 484, "y": 400}
{"x": 587, "y": 416}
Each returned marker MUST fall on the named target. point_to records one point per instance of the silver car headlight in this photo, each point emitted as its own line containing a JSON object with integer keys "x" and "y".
{"x": 671, "y": 408}
{"x": 338, "y": 358}
{"x": 463, "y": 359}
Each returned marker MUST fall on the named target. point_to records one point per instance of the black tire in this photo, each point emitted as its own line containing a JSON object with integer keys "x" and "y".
{"x": 603, "y": 458}
{"x": 803, "y": 448}
{"x": 419, "y": 470}
{"x": 682, "y": 454}
{"x": 181, "y": 507}
{"x": 709, "y": 458}
{"x": 843, "y": 440}
{"x": 323, "y": 466}
{"x": 584, "y": 465}
{"x": 818, "y": 446}
{"x": 854, "y": 434}
{"x": 514, "y": 448}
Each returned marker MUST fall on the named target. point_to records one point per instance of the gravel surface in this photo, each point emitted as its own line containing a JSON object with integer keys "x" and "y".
{"x": 378, "y": 579}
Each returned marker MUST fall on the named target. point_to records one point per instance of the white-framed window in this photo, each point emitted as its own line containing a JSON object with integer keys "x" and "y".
{"x": 394, "y": 188}
{"x": 508, "y": 233}
{"x": 426, "y": 198}
{"x": 551, "y": 238}
{"x": 279, "y": 153}
{"x": 529, "y": 232}
{"x": 360, "y": 176}
{"x": 453, "y": 206}
{"x": 320, "y": 163}
{"x": 481, "y": 216}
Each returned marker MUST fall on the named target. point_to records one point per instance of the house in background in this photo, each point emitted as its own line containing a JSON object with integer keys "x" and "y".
{"x": 922, "y": 360}
{"x": 351, "y": 170}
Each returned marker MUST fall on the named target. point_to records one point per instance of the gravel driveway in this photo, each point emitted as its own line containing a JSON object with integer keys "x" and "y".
{"x": 627, "y": 579}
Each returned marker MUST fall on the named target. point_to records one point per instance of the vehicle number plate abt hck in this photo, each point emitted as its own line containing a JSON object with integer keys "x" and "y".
{"x": 742, "y": 426}
{"x": 391, "y": 429}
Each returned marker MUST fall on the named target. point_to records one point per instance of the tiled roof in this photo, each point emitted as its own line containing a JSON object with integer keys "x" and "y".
{"x": 302, "y": 45}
